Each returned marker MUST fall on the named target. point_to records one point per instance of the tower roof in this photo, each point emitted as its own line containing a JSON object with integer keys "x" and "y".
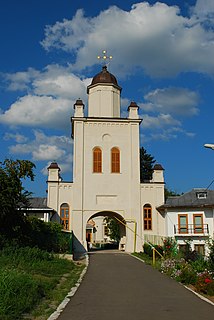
{"x": 158, "y": 166}
{"x": 54, "y": 165}
{"x": 104, "y": 77}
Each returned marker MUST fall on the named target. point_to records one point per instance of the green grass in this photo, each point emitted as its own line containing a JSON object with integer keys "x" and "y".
{"x": 33, "y": 282}
{"x": 148, "y": 260}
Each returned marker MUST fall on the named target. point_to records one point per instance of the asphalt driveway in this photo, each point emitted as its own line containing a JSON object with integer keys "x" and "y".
{"x": 118, "y": 286}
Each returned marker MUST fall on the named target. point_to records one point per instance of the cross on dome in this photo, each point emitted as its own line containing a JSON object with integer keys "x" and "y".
{"x": 104, "y": 58}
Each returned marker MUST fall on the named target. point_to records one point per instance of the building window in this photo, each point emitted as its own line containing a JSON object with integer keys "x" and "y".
{"x": 115, "y": 160}
{"x": 200, "y": 249}
{"x": 198, "y": 223}
{"x": 183, "y": 223}
{"x": 147, "y": 217}
{"x": 201, "y": 195}
{"x": 97, "y": 160}
{"x": 64, "y": 216}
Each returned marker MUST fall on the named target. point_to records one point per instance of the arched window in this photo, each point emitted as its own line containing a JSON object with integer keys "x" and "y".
{"x": 115, "y": 160}
{"x": 64, "y": 216}
{"x": 147, "y": 217}
{"x": 97, "y": 160}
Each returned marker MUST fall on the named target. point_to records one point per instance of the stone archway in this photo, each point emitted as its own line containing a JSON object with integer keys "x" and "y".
{"x": 96, "y": 230}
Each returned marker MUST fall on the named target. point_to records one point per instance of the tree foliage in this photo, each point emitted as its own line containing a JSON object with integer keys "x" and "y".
{"x": 170, "y": 193}
{"x": 114, "y": 228}
{"x": 146, "y": 165}
{"x": 13, "y": 195}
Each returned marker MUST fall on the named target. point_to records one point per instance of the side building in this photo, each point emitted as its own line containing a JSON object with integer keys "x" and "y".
{"x": 189, "y": 219}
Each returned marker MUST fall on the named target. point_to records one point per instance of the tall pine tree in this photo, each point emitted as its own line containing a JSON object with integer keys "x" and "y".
{"x": 146, "y": 165}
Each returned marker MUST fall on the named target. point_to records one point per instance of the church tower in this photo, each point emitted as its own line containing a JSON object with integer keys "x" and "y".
{"x": 106, "y": 170}
{"x": 104, "y": 96}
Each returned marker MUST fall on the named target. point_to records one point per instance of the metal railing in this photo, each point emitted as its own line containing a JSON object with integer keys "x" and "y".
{"x": 191, "y": 229}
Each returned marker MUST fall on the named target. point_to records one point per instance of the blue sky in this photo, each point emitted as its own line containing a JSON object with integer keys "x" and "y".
{"x": 163, "y": 58}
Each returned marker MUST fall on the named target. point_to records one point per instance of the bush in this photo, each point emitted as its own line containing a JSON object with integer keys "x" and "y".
{"x": 170, "y": 247}
{"x": 48, "y": 236}
{"x": 211, "y": 256}
{"x": 37, "y": 233}
{"x": 186, "y": 274}
{"x": 147, "y": 249}
{"x": 200, "y": 264}
{"x": 180, "y": 270}
{"x": 205, "y": 283}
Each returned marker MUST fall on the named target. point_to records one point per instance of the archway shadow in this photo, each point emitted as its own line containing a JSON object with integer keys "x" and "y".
{"x": 79, "y": 251}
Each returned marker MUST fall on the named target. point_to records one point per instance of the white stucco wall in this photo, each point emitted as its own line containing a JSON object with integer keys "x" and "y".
{"x": 172, "y": 219}
{"x": 153, "y": 194}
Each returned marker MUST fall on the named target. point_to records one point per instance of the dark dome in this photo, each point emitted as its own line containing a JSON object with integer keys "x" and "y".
{"x": 104, "y": 77}
{"x": 54, "y": 165}
{"x": 158, "y": 166}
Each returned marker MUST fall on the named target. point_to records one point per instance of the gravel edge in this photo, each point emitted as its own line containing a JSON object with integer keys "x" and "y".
{"x": 72, "y": 292}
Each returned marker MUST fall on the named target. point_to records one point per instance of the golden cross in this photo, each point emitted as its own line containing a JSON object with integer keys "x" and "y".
{"x": 104, "y": 58}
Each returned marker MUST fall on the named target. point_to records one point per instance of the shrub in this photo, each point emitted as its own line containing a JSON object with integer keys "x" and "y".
{"x": 168, "y": 266}
{"x": 211, "y": 256}
{"x": 147, "y": 249}
{"x": 186, "y": 274}
{"x": 205, "y": 283}
{"x": 200, "y": 264}
{"x": 48, "y": 236}
{"x": 170, "y": 247}
{"x": 180, "y": 270}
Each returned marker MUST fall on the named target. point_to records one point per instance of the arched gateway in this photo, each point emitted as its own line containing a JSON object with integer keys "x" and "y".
{"x": 98, "y": 233}
{"x": 106, "y": 168}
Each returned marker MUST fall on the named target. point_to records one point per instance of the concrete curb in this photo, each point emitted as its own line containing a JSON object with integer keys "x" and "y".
{"x": 199, "y": 295}
{"x": 73, "y": 290}
{"x": 196, "y": 293}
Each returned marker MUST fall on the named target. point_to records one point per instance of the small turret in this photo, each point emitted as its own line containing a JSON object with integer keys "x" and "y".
{"x": 79, "y": 107}
{"x": 133, "y": 110}
{"x": 53, "y": 172}
{"x": 157, "y": 175}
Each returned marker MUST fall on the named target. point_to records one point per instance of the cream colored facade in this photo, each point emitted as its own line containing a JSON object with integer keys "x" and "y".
{"x": 104, "y": 193}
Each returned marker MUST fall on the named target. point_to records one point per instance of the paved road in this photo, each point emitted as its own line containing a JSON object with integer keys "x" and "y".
{"x": 118, "y": 286}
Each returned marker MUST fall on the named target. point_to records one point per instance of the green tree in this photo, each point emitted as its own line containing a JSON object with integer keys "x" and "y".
{"x": 114, "y": 228}
{"x": 146, "y": 165}
{"x": 170, "y": 193}
{"x": 13, "y": 195}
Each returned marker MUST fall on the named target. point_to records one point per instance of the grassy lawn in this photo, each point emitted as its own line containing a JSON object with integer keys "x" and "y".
{"x": 148, "y": 260}
{"x": 33, "y": 282}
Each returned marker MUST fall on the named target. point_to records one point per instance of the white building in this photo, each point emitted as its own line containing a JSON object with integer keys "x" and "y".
{"x": 106, "y": 171}
{"x": 190, "y": 217}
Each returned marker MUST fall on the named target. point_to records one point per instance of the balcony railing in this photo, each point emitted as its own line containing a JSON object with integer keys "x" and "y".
{"x": 191, "y": 229}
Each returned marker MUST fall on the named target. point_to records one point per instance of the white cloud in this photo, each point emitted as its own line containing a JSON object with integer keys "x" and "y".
{"x": 177, "y": 101}
{"x": 20, "y": 80}
{"x": 17, "y": 137}
{"x": 47, "y": 152}
{"x": 160, "y": 121}
{"x": 39, "y": 111}
{"x": 46, "y": 148}
{"x": 58, "y": 81}
{"x": 166, "y": 134}
{"x": 204, "y": 8}
{"x": 53, "y": 92}
{"x": 23, "y": 148}
{"x": 171, "y": 45}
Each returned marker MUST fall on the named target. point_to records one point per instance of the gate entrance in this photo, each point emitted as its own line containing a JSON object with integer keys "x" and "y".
{"x": 106, "y": 230}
